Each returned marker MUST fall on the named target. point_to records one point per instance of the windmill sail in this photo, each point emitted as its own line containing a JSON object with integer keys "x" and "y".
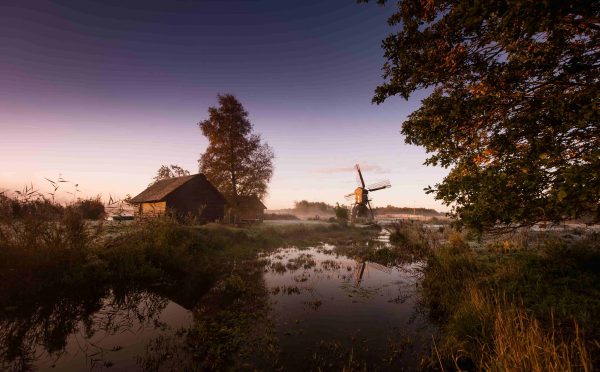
{"x": 362, "y": 181}
{"x": 379, "y": 185}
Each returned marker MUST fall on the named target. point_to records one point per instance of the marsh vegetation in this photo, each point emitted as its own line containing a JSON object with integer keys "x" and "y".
{"x": 162, "y": 295}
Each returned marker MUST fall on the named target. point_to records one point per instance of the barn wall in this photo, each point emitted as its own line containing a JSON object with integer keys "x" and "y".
{"x": 197, "y": 197}
{"x": 152, "y": 209}
{"x": 251, "y": 214}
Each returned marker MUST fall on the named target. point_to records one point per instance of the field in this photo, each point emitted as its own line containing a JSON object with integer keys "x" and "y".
{"x": 294, "y": 295}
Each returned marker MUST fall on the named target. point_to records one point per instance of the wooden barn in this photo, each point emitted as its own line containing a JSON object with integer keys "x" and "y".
{"x": 183, "y": 196}
{"x": 250, "y": 209}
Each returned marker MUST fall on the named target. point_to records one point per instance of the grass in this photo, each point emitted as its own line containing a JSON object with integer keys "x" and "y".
{"x": 520, "y": 309}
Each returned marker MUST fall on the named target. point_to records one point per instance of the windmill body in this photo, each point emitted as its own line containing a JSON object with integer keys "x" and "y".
{"x": 361, "y": 209}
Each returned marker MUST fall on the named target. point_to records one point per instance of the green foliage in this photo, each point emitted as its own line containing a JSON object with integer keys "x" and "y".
{"x": 390, "y": 209}
{"x": 410, "y": 235}
{"x": 236, "y": 161}
{"x": 304, "y": 206}
{"x": 172, "y": 171}
{"x": 39, "y": 250}
{"x": 91, "y": 209}
{"x": 341, "y": 213}
{"x": 513, "y": 108}
{"x": 12, "y": 209}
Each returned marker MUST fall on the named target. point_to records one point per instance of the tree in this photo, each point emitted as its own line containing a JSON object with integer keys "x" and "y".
{"x": 514, "y": 104}
{"x": 172, "y": 171}
{"x": 341, "y": 213}
{"x": 312, "y": 207}
{"x": 236, "y": 161}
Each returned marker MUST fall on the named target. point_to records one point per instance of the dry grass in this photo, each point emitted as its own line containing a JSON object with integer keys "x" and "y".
{"x": 522, "y": 344}
{"x": 514, "y": 310}
{"x": 492, "y": 334}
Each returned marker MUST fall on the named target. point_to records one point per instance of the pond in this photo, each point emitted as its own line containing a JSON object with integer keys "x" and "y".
{"x": 326, "y": 308}
{"x": 335, "y": 311}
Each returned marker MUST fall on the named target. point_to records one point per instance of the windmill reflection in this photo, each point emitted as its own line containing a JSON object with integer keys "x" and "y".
{"x": 362, "y": 265}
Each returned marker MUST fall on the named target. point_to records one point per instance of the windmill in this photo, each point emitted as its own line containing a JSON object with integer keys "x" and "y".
{"x": 362, "y": 206}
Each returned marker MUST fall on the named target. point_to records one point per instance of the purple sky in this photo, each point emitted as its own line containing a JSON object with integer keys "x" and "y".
{"x": 104, "y": 93}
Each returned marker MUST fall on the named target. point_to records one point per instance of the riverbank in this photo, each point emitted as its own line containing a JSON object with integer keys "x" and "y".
{"x": 511, "y": 304}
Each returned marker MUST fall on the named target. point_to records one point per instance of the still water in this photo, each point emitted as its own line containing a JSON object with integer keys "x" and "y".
{"x": 327, "y": 310}
{"x": 109, "y": 333}
{"x": 360, "y": 313}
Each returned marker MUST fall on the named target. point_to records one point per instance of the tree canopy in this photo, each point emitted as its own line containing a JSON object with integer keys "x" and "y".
{"x": 172, "y": 171}
{"x": 236, "y": 161}
{"x": 513, "y": 106}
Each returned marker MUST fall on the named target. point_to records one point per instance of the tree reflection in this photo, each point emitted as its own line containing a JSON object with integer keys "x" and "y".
{"x": 43, "y": 329}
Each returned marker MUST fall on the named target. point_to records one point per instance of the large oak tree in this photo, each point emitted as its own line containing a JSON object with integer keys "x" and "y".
{"x": 236, "y": 161}
{"x": 514, "y": 104}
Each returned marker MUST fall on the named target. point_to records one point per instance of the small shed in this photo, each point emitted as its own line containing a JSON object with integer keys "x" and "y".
{"x": 250, "y": 208}
{"x": 190, "y": 195}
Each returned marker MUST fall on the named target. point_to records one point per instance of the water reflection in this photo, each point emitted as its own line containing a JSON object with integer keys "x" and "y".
{"x": 73, "y": 334}
{"x": 336, "y": 311}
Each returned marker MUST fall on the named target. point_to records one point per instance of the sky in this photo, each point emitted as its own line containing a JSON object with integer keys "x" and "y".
{"x": 104, "y": 92}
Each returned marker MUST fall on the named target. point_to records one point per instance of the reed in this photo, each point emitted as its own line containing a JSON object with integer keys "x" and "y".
{"x": 522, "y": 310}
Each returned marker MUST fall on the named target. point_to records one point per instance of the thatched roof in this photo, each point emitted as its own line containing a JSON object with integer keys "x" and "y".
{"x": 160, "y": 190}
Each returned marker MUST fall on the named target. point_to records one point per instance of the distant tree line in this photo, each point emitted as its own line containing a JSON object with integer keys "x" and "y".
{"x": 304, "y": 206}
{"x": 280, "y": 216}
{"x": 390, "y": 209}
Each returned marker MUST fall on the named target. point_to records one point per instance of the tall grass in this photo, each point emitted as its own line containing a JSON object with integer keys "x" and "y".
{"x": 41, "y": 243}
{"x": 521, "y": 343}
{"x": 417, "y": 235}
{"x": 522, "y": 310}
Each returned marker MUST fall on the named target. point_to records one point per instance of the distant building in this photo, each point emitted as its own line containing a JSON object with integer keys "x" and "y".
{"x": 183, "y": 196}
{"x": 250, "y": 209}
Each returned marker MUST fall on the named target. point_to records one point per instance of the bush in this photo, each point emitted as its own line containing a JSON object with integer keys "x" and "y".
{"x": 341, "y": 213}
{"x": 91, "y": 209}
{"x": 409, "y": 234}
{"x": 39, "y": 207}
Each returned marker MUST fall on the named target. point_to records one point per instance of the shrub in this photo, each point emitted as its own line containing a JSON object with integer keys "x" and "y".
{"x": 91, "y": 209}
{"x": 409, "y": 234}
{"x": 341, "y": 213}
